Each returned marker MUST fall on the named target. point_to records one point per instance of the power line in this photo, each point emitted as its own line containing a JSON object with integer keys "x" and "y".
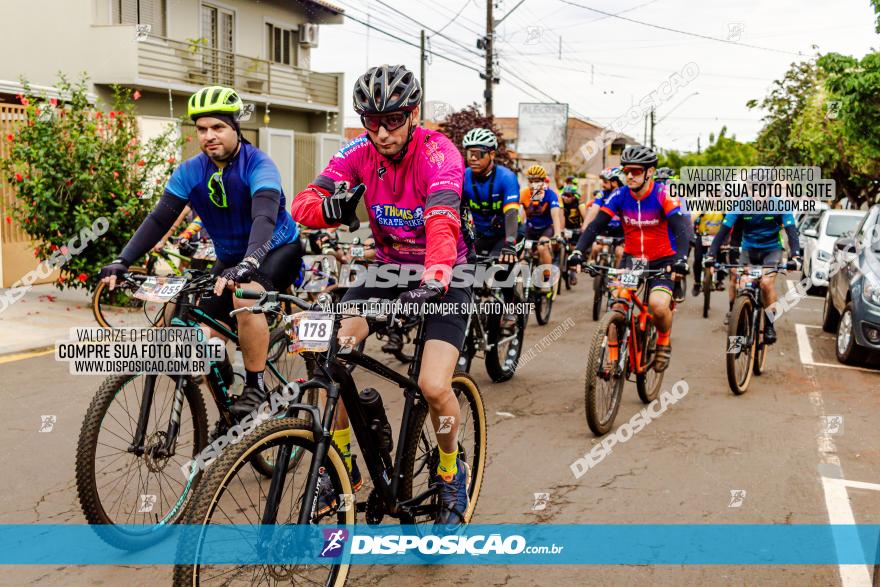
{"x": 426, "y": 27}
{"x": 384, "y": 32}
{"x": 457, "y": 14}
{"x": 679, "y": 31}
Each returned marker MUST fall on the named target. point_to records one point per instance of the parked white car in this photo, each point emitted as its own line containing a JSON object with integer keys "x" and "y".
{"x": 818, "y": 242}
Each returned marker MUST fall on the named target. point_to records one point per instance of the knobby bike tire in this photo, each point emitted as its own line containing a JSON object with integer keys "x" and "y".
{"x": 648, "y": 383}
{"x": 707, "y": 292}
{"x": 740, "y": 314}
{"x": 411, "y": 466}
{"x": 760, "y": 364}
{"x": 86, "y": 453}
{"x": 600, "y": 423}
{"x": 495, "y": 363}
{"x": 598, "y": 295}
{"x": 220, "y": 476}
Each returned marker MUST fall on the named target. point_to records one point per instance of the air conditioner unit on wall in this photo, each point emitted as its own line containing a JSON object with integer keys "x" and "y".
{"x": 308, "y": 34}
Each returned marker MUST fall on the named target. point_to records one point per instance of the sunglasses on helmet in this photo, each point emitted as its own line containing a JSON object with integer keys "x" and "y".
{"x": 391, "y": 122}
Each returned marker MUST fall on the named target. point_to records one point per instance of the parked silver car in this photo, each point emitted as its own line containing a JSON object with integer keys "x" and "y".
{"x": 817, "y": 242}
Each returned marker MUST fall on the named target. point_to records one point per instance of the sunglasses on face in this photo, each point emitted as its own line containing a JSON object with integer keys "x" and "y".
{"x": 476, "y": 153}
{"x": 634, "y": 171}
{"x": 391, "y": 122}
{"x": 216, "y": 191}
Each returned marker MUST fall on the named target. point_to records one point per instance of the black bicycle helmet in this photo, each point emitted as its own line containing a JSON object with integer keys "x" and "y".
{"x": 639, "y": 155}
{"x": 386, "y": 88}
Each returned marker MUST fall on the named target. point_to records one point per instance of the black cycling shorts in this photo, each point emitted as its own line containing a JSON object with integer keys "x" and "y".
{"x": 662, "y": 283}
{"x": 489, "y": 246}
{"x": 276, "y": 273}
{"x": 760, "y": 257}
{"x": 449, "y": 327}
{"x": 536, "y": 233}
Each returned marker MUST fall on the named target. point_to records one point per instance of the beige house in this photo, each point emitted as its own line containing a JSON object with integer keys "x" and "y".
{"x": 167, "y": 49}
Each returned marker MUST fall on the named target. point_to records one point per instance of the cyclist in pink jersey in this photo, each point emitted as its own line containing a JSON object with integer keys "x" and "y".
{"x": 413, "y": 182}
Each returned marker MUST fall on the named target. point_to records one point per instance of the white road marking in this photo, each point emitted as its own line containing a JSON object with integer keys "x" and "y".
{"x": 806, "y": 351}
{"x": 835, "y": 490}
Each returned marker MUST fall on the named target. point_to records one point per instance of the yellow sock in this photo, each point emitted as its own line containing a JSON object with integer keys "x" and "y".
{"x": 342, "y": 438}
{"x": 447, "y": 467}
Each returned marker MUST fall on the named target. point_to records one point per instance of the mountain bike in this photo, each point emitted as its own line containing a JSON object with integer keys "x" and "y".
{"x": 630, "y": 323}
{"x": 571, "y": 236}
{"x": 231, "y": 494}
{"x": 746, "y": 350}
{"x": 713, "y": 280}
{"x": 542, "y": 298}
{"x": 139, "y": 429}
{"x": 605, "y": 258}
{"x": 497, "y": 335}
{"x": 120, "y": 307}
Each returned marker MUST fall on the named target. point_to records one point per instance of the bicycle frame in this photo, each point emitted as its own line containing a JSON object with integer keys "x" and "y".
{"x": 188, "y": 315}
{"x": 337, "y": 380}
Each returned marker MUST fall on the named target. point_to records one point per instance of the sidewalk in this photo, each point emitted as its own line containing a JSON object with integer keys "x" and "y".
{"x": 44, "y": 315}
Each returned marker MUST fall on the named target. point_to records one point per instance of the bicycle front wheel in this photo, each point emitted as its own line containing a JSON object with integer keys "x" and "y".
{"x": 708, "y": 286}
{"x": 116, "y": 486}
{"x": 740, "y": 353}
{"x": 232, "y": 493}
{"x": 119, "y": 308}
{"x": 598, "y": 295}
{"x": 421, "y": 456}
{"x": 603, "y": 382}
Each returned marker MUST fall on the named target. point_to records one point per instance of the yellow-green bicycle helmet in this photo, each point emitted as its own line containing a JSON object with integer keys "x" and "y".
{"x": 214, "y": 99}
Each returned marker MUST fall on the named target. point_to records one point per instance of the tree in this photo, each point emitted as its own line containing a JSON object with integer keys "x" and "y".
{"x": 458, "y": 123}
{"x": 722, "y": 151}
{"x": 71, "y": 163}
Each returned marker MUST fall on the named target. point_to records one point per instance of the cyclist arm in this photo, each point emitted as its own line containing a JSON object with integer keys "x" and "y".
{"x": 794, "y": 246}
{"x": 593, "y": 229}
{"x": 307, "y": 204}
{"x": 442, "y": 218}
{"x": 680, "y": 226}
{"x": 265, "y": 205}
{"x": 171, "y": 230}
{"x": 552, "y": 200}
{"x": 511, "y": 210}
{"x": 157, "y": 223}
{"x": 590, "y": 215}
{"x": 727, "y": 226}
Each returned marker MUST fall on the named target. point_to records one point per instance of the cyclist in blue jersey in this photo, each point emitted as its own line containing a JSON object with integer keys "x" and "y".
{"x": 761, "y": 245}
{"x": 491, "y": 192}
{"x": 543, "y": 218}
{"x": 611, "y": 180}
{"x": 236, "y": 190}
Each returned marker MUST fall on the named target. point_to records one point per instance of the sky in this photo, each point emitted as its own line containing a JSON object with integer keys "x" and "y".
{"x": 607, "y": 63}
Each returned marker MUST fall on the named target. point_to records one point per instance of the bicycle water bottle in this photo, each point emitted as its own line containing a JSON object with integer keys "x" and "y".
{"x": 371, "y": 401}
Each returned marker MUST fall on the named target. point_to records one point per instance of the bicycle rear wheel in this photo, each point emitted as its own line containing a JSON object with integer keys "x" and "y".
{"x": 760, "y": 345}
{"x": 115, "y": 486}
{"x": 231, "y": 493}
{"x": 708, "y": 286}
{"x": 603, "y": 382}
{"x": 740, "y": 355}
{"x": 421, "y": 457}
{"x": 648, "y": 383}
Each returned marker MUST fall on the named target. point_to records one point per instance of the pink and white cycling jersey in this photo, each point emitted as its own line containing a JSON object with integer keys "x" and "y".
{"x": 401, "y": 197}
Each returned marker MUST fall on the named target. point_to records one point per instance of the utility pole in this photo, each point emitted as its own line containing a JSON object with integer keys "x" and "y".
{"x": 652, "y": 127}
{"x": 698, "y": 144}
{"x": 422, "y": 77}
{"x": 489, "y": 46}
{"x": 645, "y": 136}
{"x": 560, "y": 47}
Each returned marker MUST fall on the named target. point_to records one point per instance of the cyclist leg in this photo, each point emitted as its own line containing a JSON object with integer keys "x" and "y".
{"x": 660, "y": 306}
{"x": 444, "y": 338}
{"x": 276, "y": 273}
{"x": 698, "y": 265}
{"x": 768, "y": 290}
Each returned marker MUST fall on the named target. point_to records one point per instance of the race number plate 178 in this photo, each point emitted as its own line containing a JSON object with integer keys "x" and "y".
{"x": 160, "y": 289}
{"x": 310, "y": 332}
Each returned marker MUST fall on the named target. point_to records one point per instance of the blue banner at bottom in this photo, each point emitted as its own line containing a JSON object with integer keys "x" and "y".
{"x": 636, "y": 544}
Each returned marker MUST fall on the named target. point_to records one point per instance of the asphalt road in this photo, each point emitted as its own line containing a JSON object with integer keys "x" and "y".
{"x": 773, "y": 447}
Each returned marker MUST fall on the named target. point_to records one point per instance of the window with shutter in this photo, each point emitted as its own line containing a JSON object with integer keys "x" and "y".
{"x": 151, "y": 12}
{"x": 281, "y": 44}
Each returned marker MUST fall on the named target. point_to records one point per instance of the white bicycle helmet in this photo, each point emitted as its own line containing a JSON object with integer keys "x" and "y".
{"x": 480, "y": 137}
